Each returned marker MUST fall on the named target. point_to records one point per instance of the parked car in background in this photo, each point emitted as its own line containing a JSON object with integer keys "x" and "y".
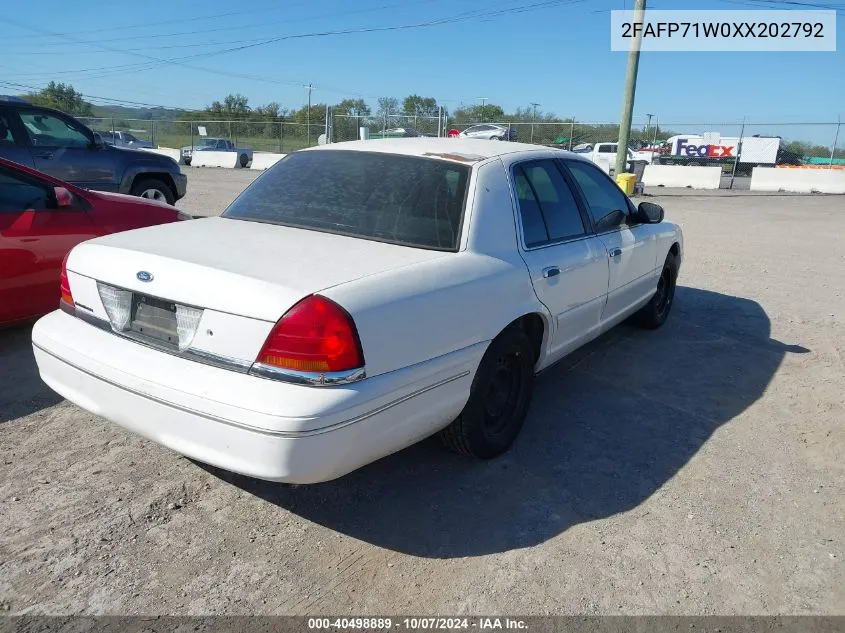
{"x": 41, "y": 219}
{"x": 400, "y": 132}
{"x": 490, "y": 131}
{"x": 604, "y": 155}
{"x": 59, "y": 145}
{"x": 207, "y": 144}
{"x": 358, "y": 297}
{"x": 123, "y": 139}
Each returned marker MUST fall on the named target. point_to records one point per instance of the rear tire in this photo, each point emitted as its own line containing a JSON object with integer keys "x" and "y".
{"x": 498, "y": 401}
{"x": 153, "y": 189}
{"x": 655, "y": 312}
{"x": 187, "y": 161}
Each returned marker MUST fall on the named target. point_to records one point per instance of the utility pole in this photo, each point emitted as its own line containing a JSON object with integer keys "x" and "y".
{"x": 648, "y": 125}
{"x": 308, "y": 116}
{"x": 533, "y": 119}
{"x": 630, "y": 90}
{"x": 483, "y": 100}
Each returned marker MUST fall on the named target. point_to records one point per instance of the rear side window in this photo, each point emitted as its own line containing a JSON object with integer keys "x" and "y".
{"x": 405, "y": 200}
{"x": 546, "y": 204}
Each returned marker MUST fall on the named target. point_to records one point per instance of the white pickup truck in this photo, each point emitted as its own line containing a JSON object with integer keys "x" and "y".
{"x": 123, "y": 139}
{"x": 208, "y": 144}
{"x": 604, "y": 155}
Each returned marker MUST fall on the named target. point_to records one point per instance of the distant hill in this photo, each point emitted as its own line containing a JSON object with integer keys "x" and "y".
{"x": 124, "y": 112}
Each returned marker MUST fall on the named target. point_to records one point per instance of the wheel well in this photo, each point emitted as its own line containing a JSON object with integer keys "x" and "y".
{"x": 164, "y": 177}
{"x": 534, "y": 327}
{"x": 676, "y": 249}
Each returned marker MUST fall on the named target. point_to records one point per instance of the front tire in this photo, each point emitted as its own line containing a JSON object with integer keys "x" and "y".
{"x": 244, "y": 160}
{"x": 153, "y": 189}
{"x": 498, "y": 401}
{"x": 654, "y": 314}
{"x": 187, "y": 161}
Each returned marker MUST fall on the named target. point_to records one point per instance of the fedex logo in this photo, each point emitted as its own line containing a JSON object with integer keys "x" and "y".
{"x": 704, "y": 151}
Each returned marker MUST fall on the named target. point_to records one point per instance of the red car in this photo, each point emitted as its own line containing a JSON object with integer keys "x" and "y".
{"x": 41, "y": 219}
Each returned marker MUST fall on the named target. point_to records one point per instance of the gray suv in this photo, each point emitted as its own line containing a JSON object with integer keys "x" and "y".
{"x": 59, "y": 145}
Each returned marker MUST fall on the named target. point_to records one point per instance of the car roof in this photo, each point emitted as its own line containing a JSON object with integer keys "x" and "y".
{"x": 458, "y": 149}
{"x": 26, "y": 105}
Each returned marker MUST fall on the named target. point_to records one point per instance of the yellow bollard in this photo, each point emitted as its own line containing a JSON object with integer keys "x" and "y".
{"x": 627, "y": 182}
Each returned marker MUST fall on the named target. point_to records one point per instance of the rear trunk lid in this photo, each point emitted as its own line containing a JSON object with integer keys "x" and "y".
{"x": 236, "y": 267}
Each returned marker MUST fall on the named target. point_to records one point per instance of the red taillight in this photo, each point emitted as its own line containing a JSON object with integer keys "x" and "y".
{"x": 65, "y": 284}
{"x": 315, "y": 335}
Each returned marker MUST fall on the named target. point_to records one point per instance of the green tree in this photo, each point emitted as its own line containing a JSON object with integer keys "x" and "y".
{"x": 415, "y": 105}
{"x": 318, "y": 114}
{"x": 235, "y": 106}
{"x": 352, "y": 107}
{"x": 490, "y": 113}
{"x": 62, "y": 97}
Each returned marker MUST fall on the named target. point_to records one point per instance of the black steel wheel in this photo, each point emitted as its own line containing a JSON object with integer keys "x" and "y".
{"x": 499, "y": 399}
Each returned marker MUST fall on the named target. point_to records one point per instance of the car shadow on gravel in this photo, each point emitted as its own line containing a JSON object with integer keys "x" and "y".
{"x": 21, "y": 389}
{"x": 607, "y": 428}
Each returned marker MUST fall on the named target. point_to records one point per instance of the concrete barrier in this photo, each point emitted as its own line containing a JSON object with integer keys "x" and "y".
{"x": 798, "y": 180}
{"x": 175, "y": 154}
{"x": 682, "y": 176}
{"x": 265, "y": 160}
{"x": 215, "y": 159}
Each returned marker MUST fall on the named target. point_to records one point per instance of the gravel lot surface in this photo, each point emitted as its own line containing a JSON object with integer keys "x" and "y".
{"x": 697, "y": 469}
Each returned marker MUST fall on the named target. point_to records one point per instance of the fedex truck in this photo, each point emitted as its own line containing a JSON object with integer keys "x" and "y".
{"x": 713, "y": 149}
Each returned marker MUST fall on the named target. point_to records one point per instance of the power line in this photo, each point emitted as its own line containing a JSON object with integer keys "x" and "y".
{"x": 154, "y": 62}
{"x": 779, "y": 5}
{"x": 16, "y": 85}
{"x": 230, "y": 28}
{"x": 170, "y": 21}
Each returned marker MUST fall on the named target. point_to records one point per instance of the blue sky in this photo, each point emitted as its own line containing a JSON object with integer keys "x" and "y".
{"x": 557, "y": 56}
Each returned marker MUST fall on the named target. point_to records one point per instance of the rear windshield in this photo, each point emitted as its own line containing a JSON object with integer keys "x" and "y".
{"x": 404, "y": 200}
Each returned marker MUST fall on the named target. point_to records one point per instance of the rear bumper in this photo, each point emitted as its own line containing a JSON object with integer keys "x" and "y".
{"x": 250, "y": 425}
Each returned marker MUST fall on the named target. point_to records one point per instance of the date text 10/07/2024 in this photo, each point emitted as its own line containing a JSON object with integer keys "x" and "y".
{"x": 416, "y": 624}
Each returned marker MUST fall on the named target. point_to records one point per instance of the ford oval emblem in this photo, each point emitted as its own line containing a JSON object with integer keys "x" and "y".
{"x": 143, "y": 275}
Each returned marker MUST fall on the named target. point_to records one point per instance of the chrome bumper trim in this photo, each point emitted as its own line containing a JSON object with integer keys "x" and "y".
{"x": 196, "y": 355}
{"x": 311, "y": 379}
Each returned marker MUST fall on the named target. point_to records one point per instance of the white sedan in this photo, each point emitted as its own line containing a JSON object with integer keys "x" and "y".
{"x": 356, "y": 298}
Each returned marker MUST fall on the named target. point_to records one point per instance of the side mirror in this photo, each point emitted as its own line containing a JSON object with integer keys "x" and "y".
{"x": 649, "y": 213}
{"x": 64, "y": 198}
{"x": 98, "y": 142}
{"x": 610, "y": 221}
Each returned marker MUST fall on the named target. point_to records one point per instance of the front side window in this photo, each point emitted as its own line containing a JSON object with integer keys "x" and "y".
{"x": 607, "y": 205}
{"x": 19, "y": 193}
{"x": 47, "y": 130}
{"x": 407, "y": 200}
{"x": 547, "y": 206}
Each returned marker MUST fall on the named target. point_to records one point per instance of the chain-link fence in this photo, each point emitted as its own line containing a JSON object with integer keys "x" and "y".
{"x": 272, "y": 135}
{"x": 347, "y": 127}
{"x": 735, "y": 146}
